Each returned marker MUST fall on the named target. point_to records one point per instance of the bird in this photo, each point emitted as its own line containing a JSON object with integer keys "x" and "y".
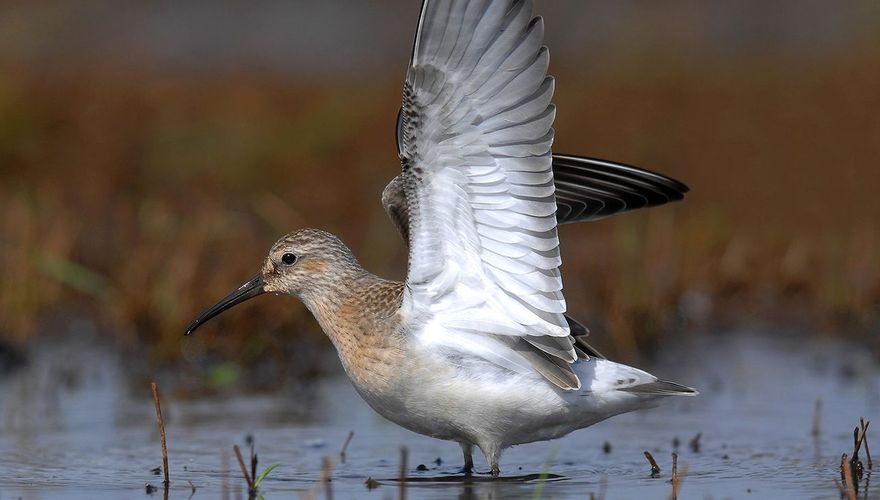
{"x": 476, "y": 345}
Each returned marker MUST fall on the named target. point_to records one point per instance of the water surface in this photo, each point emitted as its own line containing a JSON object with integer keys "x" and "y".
{"x": 76, "y": 426}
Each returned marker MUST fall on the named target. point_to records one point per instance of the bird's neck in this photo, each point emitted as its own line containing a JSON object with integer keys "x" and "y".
{"x": 360, "y": 316}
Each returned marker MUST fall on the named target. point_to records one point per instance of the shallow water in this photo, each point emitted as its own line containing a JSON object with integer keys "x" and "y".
{"x": 74, "y": 426}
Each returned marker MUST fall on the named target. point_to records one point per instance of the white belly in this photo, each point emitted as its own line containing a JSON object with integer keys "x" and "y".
{"x": 475, "y": 401}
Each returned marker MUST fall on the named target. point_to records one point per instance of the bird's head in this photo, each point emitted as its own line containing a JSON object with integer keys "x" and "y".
{"x": 305, "y": 264}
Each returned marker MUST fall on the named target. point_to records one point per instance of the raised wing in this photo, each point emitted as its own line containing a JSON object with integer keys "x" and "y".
{"x": 475, "y": 135}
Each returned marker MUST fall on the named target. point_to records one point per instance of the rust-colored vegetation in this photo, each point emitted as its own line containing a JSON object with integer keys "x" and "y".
{"x": 139, "y": 201}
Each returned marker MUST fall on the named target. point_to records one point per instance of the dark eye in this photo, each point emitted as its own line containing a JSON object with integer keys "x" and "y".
{"x": 288, "y": 259}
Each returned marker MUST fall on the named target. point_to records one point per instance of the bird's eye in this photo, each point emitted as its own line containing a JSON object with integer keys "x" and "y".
{"x": 288, "y": 259}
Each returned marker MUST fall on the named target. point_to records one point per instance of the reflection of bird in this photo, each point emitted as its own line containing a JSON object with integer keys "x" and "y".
{"x": 475, "y": 346}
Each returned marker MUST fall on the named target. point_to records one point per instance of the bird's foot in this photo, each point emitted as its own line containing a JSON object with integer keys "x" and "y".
{"x": 495, "y": 471}
{"x": 468, "y": 468}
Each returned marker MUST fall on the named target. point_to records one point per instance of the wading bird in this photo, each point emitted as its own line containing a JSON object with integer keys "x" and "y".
{"x": 475, "y": 346}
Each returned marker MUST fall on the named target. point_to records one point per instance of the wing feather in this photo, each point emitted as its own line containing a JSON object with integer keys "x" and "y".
{"x": 481, "y": 194}
{"x": 474, "y": 137}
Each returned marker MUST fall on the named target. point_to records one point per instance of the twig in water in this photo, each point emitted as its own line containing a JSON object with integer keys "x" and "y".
{"x": 674, "y": 466}
{"x": 676, "y": 477}
{"x": 817, "y": 417}
{"x": 323, "y": 481}
{"x": 402, "y": 478}
{"x": 655, "y": 469}
{"x": 864, "y": 426}
{"x": 224, "y": 473}
{"x": 192, "y": 491}
{"x": 161, "y": 421}
{"x": 603, "y": 487}
{"x": 253, "y": 463}
{"x": 695, "y": 443}
{"x": 326, "y": 469}
{"x": 855, "y": 463}
{"x": 848, "y": 485}
{"x": 345, "y": 447}
{"x": 840, "y": 487}
{"x": 244, "y": 471}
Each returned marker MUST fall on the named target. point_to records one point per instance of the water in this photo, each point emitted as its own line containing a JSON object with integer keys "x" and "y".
{"x": 75, "y": 426}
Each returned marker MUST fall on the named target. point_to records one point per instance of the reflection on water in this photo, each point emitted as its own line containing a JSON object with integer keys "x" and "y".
{"x": 73, "y": 425}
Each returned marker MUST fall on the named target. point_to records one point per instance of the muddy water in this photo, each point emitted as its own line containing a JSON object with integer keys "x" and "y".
{"x": 73, "y": 425}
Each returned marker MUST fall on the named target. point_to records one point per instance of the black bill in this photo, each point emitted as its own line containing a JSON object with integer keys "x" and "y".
{"x": 249, "y": 290}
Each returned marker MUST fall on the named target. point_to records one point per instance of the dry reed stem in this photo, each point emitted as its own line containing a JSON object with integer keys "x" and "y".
{"x": 345, "y": 447}
{"x": 192, "y": 492}
{"x": 817, "y": 417}
{"x": 253, "y": 465}
{"x": 840, "y": 487}
{"x": 326, "y": 469}
{"x": 848, "y": 486}
{"x": 864, "y": 426}
{"x": 855, "y": 463}
{"x": 603, "y": 487}
{"x": 224, "y": 473}
{"x": 244, "y": 471}
{"x": 402, "y": 477}
{"x": 323, "y": 481}
{"x": 655, "y": 469}
{"x": 676, "y": 477}
{"x": 674, "y": 494}
{"x": 161, "y": 421}
{"x": 695, "y": 443}
{"x": 857, "y": 441}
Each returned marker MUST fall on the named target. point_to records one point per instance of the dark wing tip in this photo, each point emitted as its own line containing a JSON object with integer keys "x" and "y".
{"x": 591, "y": 188}
{"x": 662, "y": 388}
{"x": 576, "y": 328}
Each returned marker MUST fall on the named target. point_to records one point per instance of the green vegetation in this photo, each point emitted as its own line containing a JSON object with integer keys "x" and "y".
{"x": 263, "y": 475}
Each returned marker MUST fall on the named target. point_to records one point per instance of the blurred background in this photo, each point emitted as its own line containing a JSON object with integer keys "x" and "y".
{"x": 151, "y": 152}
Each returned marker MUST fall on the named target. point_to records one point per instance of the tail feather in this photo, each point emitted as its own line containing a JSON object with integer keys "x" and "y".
{"x": 601, "y": 375}
{"x": 661, "y": 388}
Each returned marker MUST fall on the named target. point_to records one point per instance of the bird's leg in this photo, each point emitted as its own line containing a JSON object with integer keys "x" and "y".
{"x": 493, "y": 454}
{"x": 468, "y": 450}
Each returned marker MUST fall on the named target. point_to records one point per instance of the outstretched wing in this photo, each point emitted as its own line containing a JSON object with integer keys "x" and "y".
{"x": 475, "y": 136}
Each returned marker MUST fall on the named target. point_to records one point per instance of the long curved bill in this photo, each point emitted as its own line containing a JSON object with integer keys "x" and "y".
{"x": 253, "y": 287}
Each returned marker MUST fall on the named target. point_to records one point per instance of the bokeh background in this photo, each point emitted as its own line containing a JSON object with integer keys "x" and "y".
{"x": 151, "y": 152}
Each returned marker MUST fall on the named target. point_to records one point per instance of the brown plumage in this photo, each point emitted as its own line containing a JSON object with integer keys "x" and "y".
{"x": 356, "y": 309}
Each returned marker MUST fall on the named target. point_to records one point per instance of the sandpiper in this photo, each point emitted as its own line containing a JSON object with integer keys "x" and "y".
{"x": 475, "y": 346}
